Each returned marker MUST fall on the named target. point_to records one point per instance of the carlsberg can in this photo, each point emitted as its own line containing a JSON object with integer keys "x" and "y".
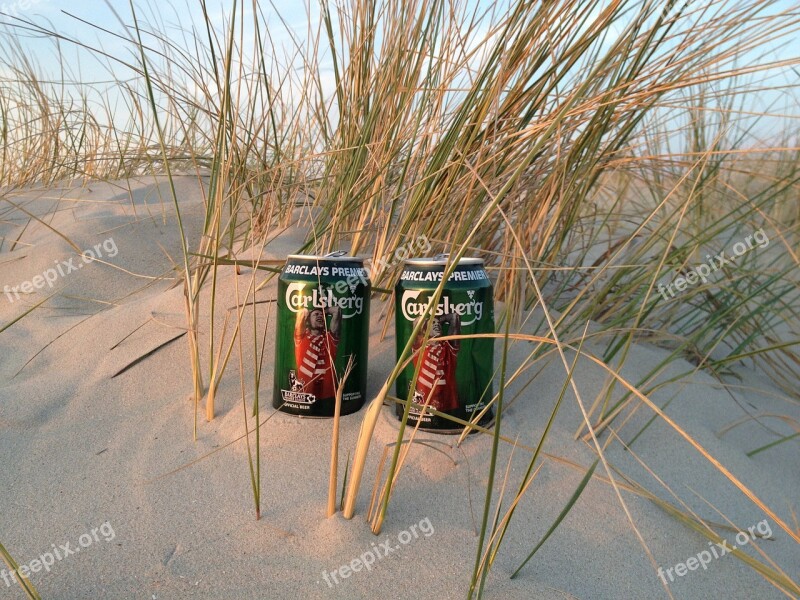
{"x": 323, "y": 321}
{"x": 455, "y": 376}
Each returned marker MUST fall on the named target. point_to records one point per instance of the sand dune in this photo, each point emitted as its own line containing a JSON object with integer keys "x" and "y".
{"x": 82, "y": 446}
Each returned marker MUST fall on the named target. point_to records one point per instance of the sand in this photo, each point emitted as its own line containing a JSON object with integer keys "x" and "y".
{"x": 83, "y": 450}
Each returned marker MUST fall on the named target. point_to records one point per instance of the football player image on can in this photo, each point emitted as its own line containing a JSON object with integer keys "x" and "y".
{"x": 436, "y": 384}
{"x": 315, "y": 346}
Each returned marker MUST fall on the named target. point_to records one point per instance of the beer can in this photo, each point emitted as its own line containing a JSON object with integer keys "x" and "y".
{"x": 455, "y": 376}
{"x": 323, "y": 321}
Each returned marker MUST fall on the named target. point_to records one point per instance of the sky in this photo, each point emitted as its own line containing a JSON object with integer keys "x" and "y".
{"x": 86, "y": 20}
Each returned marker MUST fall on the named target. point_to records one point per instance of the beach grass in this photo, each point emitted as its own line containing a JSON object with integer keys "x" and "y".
{"x": 23, "y": 582}
{"x": 592, "y": 154}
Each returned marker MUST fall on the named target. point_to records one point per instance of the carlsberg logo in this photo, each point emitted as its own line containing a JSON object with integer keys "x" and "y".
{"x": 412, "y": 309}
{"x": 319, "y": 298}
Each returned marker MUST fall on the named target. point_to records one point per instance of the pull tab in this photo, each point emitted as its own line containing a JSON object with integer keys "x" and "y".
{"x": 336, "y": 254}
{"x": 443, "y": 256}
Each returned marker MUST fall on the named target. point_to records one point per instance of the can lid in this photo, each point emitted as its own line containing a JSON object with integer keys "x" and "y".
{"x": 338, "y": 256}
{"x": 441, "y": 260}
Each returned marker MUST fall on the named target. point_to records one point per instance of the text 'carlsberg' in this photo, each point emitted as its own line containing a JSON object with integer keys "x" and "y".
{"x": 322, "y": 298}
{"x": 412, "y": 310}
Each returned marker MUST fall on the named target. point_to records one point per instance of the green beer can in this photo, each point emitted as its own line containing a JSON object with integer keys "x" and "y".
{"x": 455, "y": 376}
{"x": 323, "y": 321}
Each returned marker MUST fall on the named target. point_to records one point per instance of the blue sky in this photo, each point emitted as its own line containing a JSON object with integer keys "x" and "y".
{"x": 174, "y": 16}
